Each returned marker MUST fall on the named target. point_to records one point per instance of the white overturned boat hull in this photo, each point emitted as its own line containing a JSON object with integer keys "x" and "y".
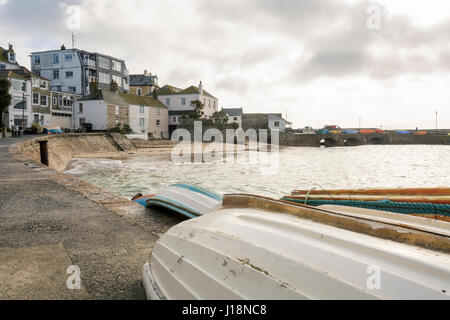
{"x": 255, "y": 248}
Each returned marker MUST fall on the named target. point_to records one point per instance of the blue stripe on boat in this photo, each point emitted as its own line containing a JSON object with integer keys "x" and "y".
{"x": 210, "y": 194}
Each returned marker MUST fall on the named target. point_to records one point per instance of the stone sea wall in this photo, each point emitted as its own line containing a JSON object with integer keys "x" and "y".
{"x": 62, "y": 148}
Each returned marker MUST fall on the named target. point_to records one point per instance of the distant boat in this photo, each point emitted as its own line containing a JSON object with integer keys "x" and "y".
{"x": 351, "y": 131}
{"x": 52, "y": 130}
{"x": 403, "y": 132}
{"x": 367, "y": 131}
{"x": 260, "y": 248}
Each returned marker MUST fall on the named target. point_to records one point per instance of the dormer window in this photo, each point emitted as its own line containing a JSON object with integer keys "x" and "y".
{"x": 12, "y": 57}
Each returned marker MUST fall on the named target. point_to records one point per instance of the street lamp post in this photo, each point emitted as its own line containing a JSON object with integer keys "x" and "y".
{"x": 23, "y": 111}
{"x": 436, "y": 120}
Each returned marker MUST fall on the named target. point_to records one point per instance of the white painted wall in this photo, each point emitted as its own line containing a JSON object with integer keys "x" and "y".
{"x": 17, "y": 96}
{"x": 94, "y": 112}
{"x": 210, "y": 105}
{"x": 135, "y": 114}
{"x": 272, "y": 119}
{"x": 47, "y": 66}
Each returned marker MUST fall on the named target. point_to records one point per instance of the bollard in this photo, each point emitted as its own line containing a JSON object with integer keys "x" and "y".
{"x": 44, "y": 152}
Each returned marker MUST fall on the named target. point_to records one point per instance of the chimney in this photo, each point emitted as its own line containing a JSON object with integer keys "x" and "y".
{"x": 10, "y": 47}
{"x": 63, "y": 47}
{"x": 200, "y": 87}
{"x": 145, "y": 72}
{"x": 113, "y": 86}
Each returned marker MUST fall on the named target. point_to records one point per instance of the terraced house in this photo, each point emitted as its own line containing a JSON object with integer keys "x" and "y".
{"x": 179, "y": 102}
{"x": 41, "y": 100}
{"x": 106, "y": 109}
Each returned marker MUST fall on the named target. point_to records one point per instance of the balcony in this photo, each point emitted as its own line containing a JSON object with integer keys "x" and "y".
{"x": 90, "y": 63}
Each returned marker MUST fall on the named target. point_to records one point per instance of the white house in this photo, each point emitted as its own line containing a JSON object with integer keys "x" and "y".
{"x": 234, "y": 115}
{"x": 19, "y": 112}
{"x": 179, "y": 102}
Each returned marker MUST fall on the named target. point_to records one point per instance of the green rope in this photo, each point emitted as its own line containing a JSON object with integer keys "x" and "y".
{"x": 384, "y": 205}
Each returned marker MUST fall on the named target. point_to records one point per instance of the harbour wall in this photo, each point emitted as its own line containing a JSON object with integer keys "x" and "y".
{"x": 62, "y": 148}
{"x": 338, "y": 140}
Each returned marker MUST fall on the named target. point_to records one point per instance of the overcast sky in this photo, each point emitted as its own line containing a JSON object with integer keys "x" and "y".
{"x": 316, "y": 59}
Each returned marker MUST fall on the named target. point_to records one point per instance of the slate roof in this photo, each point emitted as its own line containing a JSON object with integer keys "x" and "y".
{"x": 142, "y": 80}
{"x": 123, "y": 99}
{"x": 4, "y": 56}
{"x": 233, "y": 111}
{"x": 170, "y": 90}
{"x": 167, "y": 90}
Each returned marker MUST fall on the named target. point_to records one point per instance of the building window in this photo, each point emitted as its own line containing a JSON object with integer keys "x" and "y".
{"x": 37, "y": 59}
{"x": 19, "y": 103}
{"x": 117, "y": 110}
{"x": 80, "y": 108}
{"x": 55, "y": 101}
{"x": 35, "y": 98}
{"x": 235, "y": 118}
{"x": 20, "y": 121}
{"x": 72, "y": 89}
{"x": 43, "y": 100}
{"x": 157, "y": 122}
{"x": 174, "y": 119}
{"x": 117, "y": 80}
{"x": 141, "y": 122}
{"x": 104, "y": 63}
{"x": 2, "y": 66}
{"x": 116, "y": 66}
{"x": 56, "y": 74}
{"x": 139, "y": 91}
{"x": 158, "y": 110}
{"x": 36, "y": 118}
{"x": 68, "y": 57}
{"x": 276, "y": 123}
{"x": 43, "y": 84}
{"x": 60, "y": 101}
{"x": 55, "y": 58}
{"x": 12, "y": 57}
{"x": 69, "y": 74}
{"x": 38, "y": 72}
{"x": 168, "y": 101}
{"x": 209, "y": 104}
{"x": 183, "y": 101}
{"x": 104, "y": 77}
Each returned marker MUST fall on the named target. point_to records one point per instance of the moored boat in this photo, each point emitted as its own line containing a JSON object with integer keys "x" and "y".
{"x": 431, "y": 203}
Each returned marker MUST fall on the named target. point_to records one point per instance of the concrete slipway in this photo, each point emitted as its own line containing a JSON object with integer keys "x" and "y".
{"x": 49, "y": 221}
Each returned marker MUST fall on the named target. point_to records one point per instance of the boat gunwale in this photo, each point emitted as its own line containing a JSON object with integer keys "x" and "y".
{"x": 399, "y": 232}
